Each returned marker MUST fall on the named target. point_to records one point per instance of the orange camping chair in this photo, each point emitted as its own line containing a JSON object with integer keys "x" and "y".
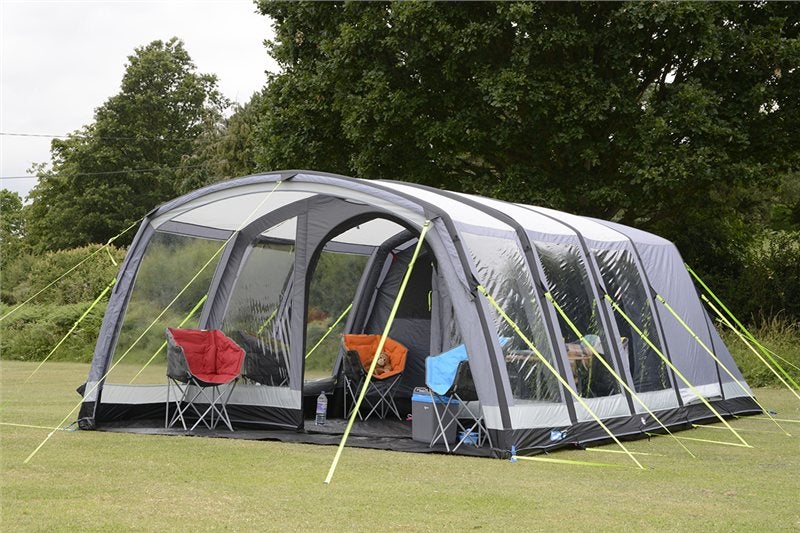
{"x": 359, "y": 351}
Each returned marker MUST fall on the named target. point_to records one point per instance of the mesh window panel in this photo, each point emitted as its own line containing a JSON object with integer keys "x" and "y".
{"x": 258, "y": 313}
{"x": 622, "y": 280}
{"x": 504, "y": 273}
{"x": 169, "y": 264}
{"x": 569, "y": 284}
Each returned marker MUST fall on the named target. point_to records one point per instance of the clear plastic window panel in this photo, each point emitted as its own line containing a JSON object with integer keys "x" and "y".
{"x": 622, "y": 280}
{"x": 504, "y": 273}
{"x": 568, "y": 282}
{"x": 172, "y": 279}
{"x": 331, "y": 292}
{"x": 259, "y": 310}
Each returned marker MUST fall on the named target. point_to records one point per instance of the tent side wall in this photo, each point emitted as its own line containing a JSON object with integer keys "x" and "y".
{"x": 670, "y": 280}
{"x": 109, "y": 329}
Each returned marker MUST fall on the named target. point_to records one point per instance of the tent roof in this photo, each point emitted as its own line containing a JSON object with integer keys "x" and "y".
{"x": 231, "y": 205}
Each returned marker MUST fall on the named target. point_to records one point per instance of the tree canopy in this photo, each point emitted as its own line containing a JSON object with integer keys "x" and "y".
{"x": 11, "y": 227}
{"x": 224, "y": 150}
{"x": 116, "y": 169}
{"x": 679, "y": 118}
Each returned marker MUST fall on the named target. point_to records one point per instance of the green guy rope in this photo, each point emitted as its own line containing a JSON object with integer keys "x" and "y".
{"x": 555, "y": 373}
{"x": 74, "y": 326}
{"x": 608, "y": 367}
{"x": 65, "y": 274}
{"x": 164, "y": 344}
{"x": 714, "y": 356}
{"x": 678, "y": 373}
{"x": 329, "y": 330}
{"x": 744, "y": 329}
{"x": 378, "y": 350}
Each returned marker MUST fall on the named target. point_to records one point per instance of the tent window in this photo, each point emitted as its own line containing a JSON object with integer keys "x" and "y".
{"x": 168, "y": 265}
{"x": 568, "y": 282}
{"x": 259, "y": 310}
{"x": 622, "y": 280}
{"x": 331, "y": 291}
{"x": 504, "y": 273}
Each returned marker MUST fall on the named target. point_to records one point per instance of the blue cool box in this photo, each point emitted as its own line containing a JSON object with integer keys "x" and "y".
{"x": 423, "y": 418}
{"x": 426, "y": 398}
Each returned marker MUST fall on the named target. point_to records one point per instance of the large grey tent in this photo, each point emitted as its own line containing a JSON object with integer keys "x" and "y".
{"x": 248, "y": 254}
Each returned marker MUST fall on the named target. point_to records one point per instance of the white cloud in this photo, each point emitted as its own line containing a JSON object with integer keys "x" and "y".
{"x": 60, "y": 60}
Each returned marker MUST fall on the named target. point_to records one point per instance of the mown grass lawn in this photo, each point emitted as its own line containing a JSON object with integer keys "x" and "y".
{"x": 111, "y": 481}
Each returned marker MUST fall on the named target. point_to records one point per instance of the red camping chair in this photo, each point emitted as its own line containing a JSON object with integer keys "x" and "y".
{"x": 203, "y": 365}
{"x": 359, "y": 351}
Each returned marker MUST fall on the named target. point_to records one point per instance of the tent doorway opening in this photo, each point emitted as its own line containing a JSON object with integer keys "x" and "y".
{"x": 353, "y": 290}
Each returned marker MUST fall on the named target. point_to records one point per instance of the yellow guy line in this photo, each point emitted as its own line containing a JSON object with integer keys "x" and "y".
{"x": 708, "y": 426}
{"x": 663, "y": 357}
{"x": 30, "y": 426}
{"x": 695, "y": 439}
{"x": 608, "y": 367}
{"x": 74, "y": 326}
{"x": 604, "y": 450}
{"x": 164, "y": 344}
{"x": 714, "y": 356}
{"x": 744, "y": 340}
{"x": 565, "y": 461}
{"x": 65, "y": 274}
{"x": 552, "y": 370}
{"x": 122, "y": 357}
{"x": 267, "y": 321}
{"x": 378, "y": 350}
{"x": 153, "y": 323}
{"x": 779, "y": 419}
{"x": 783, "y": 359}
{"x": 741, "y": 326}
{"x": 329, "y": 330}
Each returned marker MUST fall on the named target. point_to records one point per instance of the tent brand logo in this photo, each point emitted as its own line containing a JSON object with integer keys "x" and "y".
{"x": 557, "y": 435}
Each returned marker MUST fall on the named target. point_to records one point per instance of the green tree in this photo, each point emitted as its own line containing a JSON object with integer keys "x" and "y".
{"x": 114, "y": 170}
{"x": 679, "y": 118}
{"x": 11, "y": 227}
{"x": 225, "y": 149}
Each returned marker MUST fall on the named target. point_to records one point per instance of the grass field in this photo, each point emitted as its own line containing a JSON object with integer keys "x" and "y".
{"x": 110, "y": 481}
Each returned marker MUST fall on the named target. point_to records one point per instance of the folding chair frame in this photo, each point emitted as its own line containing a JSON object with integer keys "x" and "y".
{"x": 442, "y": 404}
{"x": 217, "y": 401}
{"x": 214, "y": 390}
{"x": 354, "y": 377}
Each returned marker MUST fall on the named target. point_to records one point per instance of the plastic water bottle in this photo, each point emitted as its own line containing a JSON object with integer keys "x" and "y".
{"x": 322, "y": 409}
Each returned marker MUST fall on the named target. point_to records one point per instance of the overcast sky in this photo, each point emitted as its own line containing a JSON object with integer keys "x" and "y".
{"x": 61, "y": 59}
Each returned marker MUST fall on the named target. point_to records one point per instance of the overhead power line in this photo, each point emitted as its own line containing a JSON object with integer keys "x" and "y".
{"x": 109, "y": 172}
{"x": 69, "y": 135}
